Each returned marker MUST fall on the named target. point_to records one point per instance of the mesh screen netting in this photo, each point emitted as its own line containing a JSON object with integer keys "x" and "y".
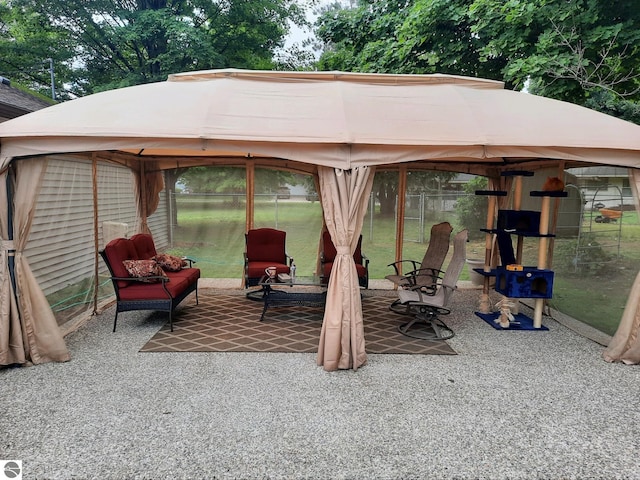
{"x": 594, "y": 260}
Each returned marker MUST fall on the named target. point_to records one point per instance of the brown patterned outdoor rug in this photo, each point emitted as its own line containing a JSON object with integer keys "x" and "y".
{"x": 231, "y": 323}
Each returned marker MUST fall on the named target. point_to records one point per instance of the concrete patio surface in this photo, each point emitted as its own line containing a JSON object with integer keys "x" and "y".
{"x": 509, "y": 405}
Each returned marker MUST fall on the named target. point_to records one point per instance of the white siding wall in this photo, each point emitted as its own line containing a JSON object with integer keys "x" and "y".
{"x": 61, "y": 245}
{"x": 158, "y": 223}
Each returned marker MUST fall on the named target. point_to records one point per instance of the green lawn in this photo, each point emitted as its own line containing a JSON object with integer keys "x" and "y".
{"x": 212, "y": 231}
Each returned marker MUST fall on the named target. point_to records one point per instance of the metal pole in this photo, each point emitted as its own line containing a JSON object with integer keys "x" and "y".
{"x": 53, "y": 79}
{"x": 421, "y": 220}
{"x": 11, "y": 251}
{"x": 372, "y": 206}
{"x": 171, "y": 194}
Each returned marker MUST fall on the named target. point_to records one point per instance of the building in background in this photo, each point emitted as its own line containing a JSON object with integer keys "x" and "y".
{"x": 15, "y": 102}
{"x": 604, "y": 186}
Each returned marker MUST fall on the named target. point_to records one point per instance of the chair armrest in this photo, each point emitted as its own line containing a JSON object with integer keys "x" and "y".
{"x": 190, "y": 260}
{"x": 395, "y": 265}
{"x": 424, "y": 271}
{"x": 412, "y": 277}
{"x": 365, "y": 260}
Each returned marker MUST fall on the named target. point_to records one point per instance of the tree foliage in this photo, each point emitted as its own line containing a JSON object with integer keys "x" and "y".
{"x": 27, "y": 41}
{"x": 567, "y": 50}
{"x": 385, "y": 186}
{"x": 470, "y": 206}
{"x": 104, "y": 44}
{"x": 233, "y": 180}
{"x": 560, "y": 49}
{"x": 419, "y": 36}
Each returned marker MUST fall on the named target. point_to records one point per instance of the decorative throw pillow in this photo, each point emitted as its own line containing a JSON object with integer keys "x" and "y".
{"x": 144, "y": 268}
{"x": 170, "y": 263}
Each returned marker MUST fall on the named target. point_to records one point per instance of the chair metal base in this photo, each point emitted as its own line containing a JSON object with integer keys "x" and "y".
{"x": 409, "y": 308}
{"x": 400, "y": 308}
{"x": 426, "y": 324}
{"x": 256, "y": 295}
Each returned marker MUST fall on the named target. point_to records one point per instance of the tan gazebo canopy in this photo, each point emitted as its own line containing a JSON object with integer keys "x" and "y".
{"x": 341, "y": 124}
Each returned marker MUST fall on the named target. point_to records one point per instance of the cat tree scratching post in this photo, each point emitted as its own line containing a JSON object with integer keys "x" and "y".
{"x": 484, "y": 303}
{"x": 488, "y": 246}
{"x": 543, "y": 252}
{"x": 517, "y": 205}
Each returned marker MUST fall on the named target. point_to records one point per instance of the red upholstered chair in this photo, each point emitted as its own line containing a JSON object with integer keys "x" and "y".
{"x": 329, "y": 253}
{"x": 265, "y": 247}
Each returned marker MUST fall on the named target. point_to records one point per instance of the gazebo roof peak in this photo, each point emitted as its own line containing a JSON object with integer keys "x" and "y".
{"x": 333, "y": 76}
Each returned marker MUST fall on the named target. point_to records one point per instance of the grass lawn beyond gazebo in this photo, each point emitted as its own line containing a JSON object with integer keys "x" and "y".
{"x": 211, "y": 229}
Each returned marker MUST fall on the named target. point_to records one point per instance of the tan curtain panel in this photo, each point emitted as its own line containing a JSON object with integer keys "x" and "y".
{"x": 625, "y": 344}
{"x": 149, "y": 184}
{"x": 42, "y": 340}
{"x": 12, "y": 346}
{"x": 344, "y": 196}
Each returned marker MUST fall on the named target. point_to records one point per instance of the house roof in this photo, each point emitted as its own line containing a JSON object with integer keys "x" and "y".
{"x": 599, "y": 171}
{"x": 14, "y": 102}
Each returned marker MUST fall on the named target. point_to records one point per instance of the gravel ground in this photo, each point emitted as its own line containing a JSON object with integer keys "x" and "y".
{"x": 510, "y": 405}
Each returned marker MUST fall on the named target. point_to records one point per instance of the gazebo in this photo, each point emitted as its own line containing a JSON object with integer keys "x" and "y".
{"x": 338, "y": 126}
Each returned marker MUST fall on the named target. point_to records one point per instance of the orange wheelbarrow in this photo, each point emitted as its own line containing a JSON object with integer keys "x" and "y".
{"x": 608, "y": 215}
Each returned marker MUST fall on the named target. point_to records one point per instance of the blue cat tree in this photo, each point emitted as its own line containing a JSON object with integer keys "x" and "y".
{"x": 513, "y": 280}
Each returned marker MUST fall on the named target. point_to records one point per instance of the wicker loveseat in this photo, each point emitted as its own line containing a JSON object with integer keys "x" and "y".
{"x": 162, "y": 291}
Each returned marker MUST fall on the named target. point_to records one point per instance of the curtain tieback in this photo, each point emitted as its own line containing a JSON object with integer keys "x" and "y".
{"x": 8, "y": 246}
{"x": 343, "y": 250}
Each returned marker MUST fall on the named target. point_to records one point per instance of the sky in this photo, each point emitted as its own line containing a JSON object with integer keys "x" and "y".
{"x": 297, "y": 35}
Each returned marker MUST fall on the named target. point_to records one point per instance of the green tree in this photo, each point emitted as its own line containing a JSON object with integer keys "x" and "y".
{"x": 27, "y": 42}
{"x": 471, "y": 209}
{"x": 116, "y": 43}
{"x": 565, "y": 50}
{"x": 233, "y": 179}
{"x": 385, "y": 186}
{"x": 419, "y": 36}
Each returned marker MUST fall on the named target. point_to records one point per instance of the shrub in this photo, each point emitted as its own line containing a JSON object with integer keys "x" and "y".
{"x": 587, "y": 258}
{"x": 471, "y": 209}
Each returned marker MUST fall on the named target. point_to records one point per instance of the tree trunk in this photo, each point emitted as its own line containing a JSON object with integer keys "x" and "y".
{"x": 387, "y": 200}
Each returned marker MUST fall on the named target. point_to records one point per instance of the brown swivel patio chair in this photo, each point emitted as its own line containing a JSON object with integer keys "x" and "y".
{"x": 425, "y": 275}
{"x": 265, "y": 247}
{"x": 427, "y": 306}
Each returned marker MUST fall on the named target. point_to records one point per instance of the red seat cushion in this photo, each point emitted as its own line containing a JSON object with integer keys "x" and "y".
{"x": 190, "y": 274}
{"x": 154, "y": 291}
{"x": 257, "y": 269}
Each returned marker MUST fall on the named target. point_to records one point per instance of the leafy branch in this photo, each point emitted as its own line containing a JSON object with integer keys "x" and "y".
{"x": 605, "y": 72}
